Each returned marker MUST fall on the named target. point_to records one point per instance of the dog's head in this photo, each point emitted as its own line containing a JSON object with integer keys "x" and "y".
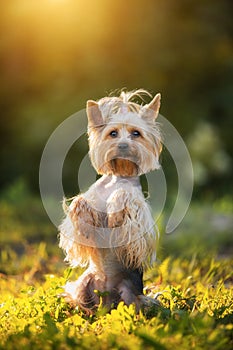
{"x": 124, "y": 138}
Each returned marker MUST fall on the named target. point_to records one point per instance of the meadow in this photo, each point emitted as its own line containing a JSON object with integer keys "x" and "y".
{"x": 54, "y": 56}
{"x": 192, "y": 280}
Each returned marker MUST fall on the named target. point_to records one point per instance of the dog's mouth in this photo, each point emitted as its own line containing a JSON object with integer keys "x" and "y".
{"x": 121, "y": 162}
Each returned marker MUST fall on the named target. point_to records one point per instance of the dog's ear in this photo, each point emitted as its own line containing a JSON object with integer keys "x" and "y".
{"x": 94, "y": 115}
{"x": 151, "y": 110}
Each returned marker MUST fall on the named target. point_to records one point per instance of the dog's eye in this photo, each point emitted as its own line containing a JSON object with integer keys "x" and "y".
{"x": 135, "y": 133}
{"x": 113, "y": 133}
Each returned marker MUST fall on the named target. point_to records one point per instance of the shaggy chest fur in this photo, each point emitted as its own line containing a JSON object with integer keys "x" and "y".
{"x": 106, "y": 192}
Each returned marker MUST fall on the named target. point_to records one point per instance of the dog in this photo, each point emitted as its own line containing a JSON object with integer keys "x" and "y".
{"x": 110, "y": 229}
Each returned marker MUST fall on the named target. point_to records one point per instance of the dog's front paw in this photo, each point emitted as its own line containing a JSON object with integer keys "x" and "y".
{"x": 116, "y": 219}
{"x": 117, "y": 208}
{"x": 83, "y": 214}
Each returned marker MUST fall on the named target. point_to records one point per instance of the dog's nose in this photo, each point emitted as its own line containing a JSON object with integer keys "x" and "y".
{"x": 123, "y": 146}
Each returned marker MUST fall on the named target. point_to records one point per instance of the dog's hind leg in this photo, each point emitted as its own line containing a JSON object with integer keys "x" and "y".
{"x": 81, "y": 293}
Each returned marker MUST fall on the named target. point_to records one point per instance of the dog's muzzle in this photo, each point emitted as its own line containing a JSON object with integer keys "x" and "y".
{"x": 123, "y": 146}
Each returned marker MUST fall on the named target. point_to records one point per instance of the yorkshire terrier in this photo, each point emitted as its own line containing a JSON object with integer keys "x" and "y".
{"x": 110, "y": 227}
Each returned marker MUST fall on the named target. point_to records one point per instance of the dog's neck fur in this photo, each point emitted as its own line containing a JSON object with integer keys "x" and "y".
{"x": 113, "y": 180}
{"x": 109, "y": 183}
{"x": 100, "y": 192}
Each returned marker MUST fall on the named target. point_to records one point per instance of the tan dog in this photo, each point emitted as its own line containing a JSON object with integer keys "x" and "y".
{"x": 110, "y": 228}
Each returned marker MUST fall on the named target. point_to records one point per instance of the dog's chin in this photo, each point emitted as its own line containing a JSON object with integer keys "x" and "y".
{"x": 120, "y": 167}
{"x": 124, "y": 167}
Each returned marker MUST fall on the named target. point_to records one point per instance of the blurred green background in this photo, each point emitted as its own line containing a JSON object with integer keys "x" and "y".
{"x": 56, "y": 54}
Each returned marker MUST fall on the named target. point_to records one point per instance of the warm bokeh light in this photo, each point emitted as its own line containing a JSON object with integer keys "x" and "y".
{"x": 56, "y": 54}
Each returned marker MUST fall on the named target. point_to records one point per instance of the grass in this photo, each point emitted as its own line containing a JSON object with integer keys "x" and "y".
{"x": 196, "y": 312}
{"x": 193, "y": 277}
